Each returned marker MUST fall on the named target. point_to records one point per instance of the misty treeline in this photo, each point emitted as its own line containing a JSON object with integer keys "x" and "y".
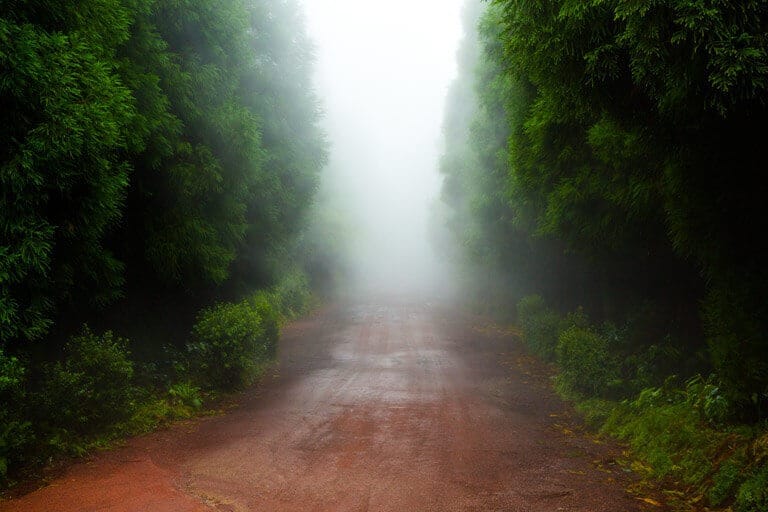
{"x": 155, "y": 156}
{"x": 607, "y": 159}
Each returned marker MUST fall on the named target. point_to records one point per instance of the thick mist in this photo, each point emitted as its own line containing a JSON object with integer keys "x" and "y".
{"x": 383, "y": 71}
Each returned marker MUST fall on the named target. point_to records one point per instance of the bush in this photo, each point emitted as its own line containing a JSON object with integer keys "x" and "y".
{"x": 727, "y": 478}
{"x": 156, "y": 407}
{"x": 706, "y": 398}
{"x": 640, "y": 367}
{"x": 229, "y": 345}
{"x": 266, "y": 305}
{"x": 528, "y": 308}
{"x": 585, "y": 363}
{"x": 753, "y": 493}
{"x": 666, "y": 430}
{"x": 185, "y": 394}
{"x": 541, "y": 326}
{"x": 90, "y": 389}
{"x": 595, "y": 411}
{"x": 15, "y": 430}
{"x": 678, "y": 432}
{"x": 735, "y": 325}
{"x": 543, "y": 334}
{"x": 293, "y": 295}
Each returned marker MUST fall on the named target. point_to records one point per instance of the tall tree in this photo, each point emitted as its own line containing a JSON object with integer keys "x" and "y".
{"x": 202, "y": 153}
{"x": 633, "y": 140}
{"x": 281, "y": 93}
{"x": 64, "y": 118}
{"x": 153, "y": 141}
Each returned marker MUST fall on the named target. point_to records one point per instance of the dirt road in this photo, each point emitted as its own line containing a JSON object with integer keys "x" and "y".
{"x": 389, "y": 406}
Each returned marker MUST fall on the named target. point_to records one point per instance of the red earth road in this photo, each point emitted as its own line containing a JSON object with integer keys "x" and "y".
{"x": 389, "y": 406}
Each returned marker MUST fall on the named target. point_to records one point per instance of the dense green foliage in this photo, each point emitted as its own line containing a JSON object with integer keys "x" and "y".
{"x": 678, "y": 434}
{"x": 608, "y": 155}
{"x": 542, "y": 326}
{"x": 229, "y": 343}
{"x": 641, "y": 132}
{"x": 64, "y": 117}
{"x": 678, "y": 431}
{"x": 15, "y": 428}
{"x": 293, "y": 295}
{"x": 97, "y": 391}
{"x": 59, "y": 407}
{"x": 90, "y": 387}
{"x": 156, "y": 157}
{"x": 585, "y": 360}
{"x": 154, "y": 144}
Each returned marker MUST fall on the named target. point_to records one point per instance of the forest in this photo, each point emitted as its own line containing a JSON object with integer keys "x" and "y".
{"x": 156, "y": 157}
{"x": 604, "y": 175}
{"x": 163, "y": 216}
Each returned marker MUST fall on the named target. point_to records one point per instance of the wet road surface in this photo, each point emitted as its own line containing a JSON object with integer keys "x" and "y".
{"x": 382, "y": 406}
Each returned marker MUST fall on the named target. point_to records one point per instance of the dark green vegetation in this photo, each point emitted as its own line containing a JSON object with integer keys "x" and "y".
{"x": 608, "y": 157}
{"x": 681, "y": 430}
{"x": 156, "y": 157}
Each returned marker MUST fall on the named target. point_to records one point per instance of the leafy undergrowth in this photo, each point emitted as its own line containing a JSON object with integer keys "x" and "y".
{"x": 152, "y": 412}
{"x": 96, "y": 393}
{"x": 680, "y": 433}
{"x": 700, "y": 466}
{"x": 51, "y": 444}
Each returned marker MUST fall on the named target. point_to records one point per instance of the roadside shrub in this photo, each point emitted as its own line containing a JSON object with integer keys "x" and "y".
{"x": 543, "y": 334}
{"x": 753, "y": 493}
{"x": 595, "y": 411}
{"x": 541, "y": 326}
{"x": 90, "y": 389}
{"x": 576, "y": 318}
{"x": 735, "y": 325}
{"x": 293, "y": 295}
{"x": 185, "y": 394}
{"x": 727, "y": 478}
{"x": 667, "y": 432}
{"x": 181, "y": 400}
{"x": 266, "y": 305}
{"x": 228, "y": 347}
{"x": 15, "y": 429}
{"x": 585, "y": 363}
{"x": 676, "y": 430}
{"x": 706, "y": 397}
{"x": 528, "y": 308}
{"x": 640, "y": 366}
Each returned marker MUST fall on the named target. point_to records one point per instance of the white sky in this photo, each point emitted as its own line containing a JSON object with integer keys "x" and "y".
{"x": 383, "y": 71}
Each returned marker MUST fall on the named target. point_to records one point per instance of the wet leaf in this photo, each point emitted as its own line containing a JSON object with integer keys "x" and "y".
{"x": 650, "y": 501}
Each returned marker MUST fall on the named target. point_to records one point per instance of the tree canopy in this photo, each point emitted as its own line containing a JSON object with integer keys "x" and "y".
{"x": 616, "y": 158}
{"x": 149, "y": 144}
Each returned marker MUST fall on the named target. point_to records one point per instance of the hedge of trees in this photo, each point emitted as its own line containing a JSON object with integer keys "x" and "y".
{"x": 155, "y": 156}
{"x": 604, "y": 179}
{"x": 609, "y": 155}
{"x": 148, "y": 143}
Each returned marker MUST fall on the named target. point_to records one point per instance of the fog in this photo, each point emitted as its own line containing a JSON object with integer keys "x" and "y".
{"x": 383, "y": 71}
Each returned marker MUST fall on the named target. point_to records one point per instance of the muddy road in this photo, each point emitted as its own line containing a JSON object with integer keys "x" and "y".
{"x": 389, "y": 406}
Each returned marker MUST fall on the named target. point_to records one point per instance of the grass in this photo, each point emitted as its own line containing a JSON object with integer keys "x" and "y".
{"x": 720, "y": 467}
